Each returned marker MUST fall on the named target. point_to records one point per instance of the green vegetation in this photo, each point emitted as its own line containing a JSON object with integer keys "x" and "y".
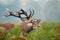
{"x": 47, "y": 31}
{"x": 13, "y": 34}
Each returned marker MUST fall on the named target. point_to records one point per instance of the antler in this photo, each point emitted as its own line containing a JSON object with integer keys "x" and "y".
{"x": 10, "y": 13}
{"x": 31, "y": 13}
{"x": 18, "y": 14}
{"x": 28, "y": 17}
{"x": 23, "y": 12}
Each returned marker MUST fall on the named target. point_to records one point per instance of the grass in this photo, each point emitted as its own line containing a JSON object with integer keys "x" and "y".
{"x": 13, "y": 34}
{"x": 47, "y": 31}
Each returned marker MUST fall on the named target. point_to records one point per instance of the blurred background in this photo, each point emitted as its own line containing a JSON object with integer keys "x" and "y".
{"x": 46, "y": 10}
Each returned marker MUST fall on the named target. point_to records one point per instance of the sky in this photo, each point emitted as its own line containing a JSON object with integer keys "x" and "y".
{"x": 42, "y": 9}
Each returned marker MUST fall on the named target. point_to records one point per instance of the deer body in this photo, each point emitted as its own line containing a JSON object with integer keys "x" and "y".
{"x": 27, "y": 27}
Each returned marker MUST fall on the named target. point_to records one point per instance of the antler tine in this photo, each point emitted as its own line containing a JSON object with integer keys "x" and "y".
{"x": 9, "y": 13}
{"x": 23, "y": 12}
{"x": 31, "y": 13}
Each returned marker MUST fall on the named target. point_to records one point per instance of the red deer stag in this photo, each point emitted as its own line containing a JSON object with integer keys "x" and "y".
{"x": 27, "y": 24}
